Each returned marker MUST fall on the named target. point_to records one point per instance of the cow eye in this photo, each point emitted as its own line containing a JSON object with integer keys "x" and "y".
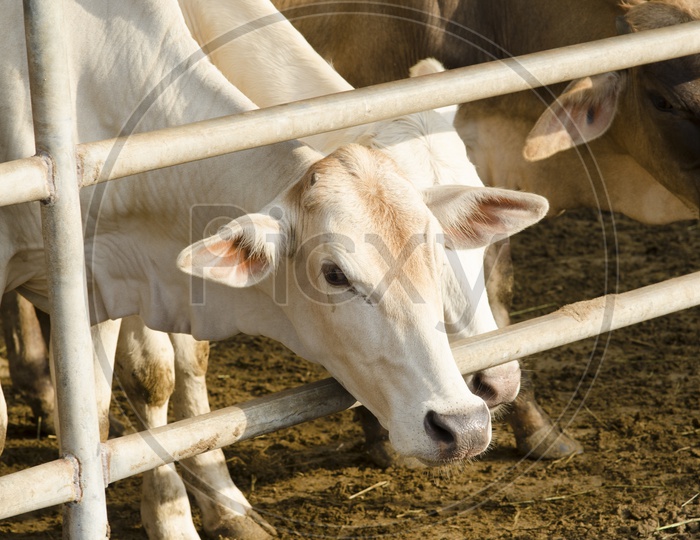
{"x": 334, "y": 276}
{"x": 660, "y": 103}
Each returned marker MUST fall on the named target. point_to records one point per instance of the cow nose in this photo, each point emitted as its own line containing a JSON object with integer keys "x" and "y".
{"x": 480, "y": 386}
{"x": 494, "y": 390}
{"x": 459, "y": 435}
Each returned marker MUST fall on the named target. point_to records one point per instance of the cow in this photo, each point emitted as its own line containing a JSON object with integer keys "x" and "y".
{"x": 244, "y": 40}
{"x": 428, "y": 149}
{"x": 339, "y": 257}
{"x": 643, "y": 139}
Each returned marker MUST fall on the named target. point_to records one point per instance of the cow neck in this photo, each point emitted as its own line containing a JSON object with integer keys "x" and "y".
{"x": 136, "y": 226}
{"x": 181, "y": 87}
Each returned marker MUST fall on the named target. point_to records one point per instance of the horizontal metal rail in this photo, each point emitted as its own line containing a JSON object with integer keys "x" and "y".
{"x": 135, "y": 453}
{"x": 40, "y": 486}
{"x": 24, "y": 180}
{"x": 139, "y": 452}
{"x": 578, "y": 321}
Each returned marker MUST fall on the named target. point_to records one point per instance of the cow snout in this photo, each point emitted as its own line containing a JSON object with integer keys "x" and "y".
{"x": 496, "y": 386}
{"x": 459, "y": 436}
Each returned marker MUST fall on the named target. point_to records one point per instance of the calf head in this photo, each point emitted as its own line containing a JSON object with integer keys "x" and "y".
{"x": 658, "y": 104}
{"x": 362, "y": 253}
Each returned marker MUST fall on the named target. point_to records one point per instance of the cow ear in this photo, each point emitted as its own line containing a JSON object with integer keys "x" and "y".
{"x": 428, "y": 66}
{"x": 583, "y": 112}
{"x": 241, "y": 254}
{"x": 473, "y": 217}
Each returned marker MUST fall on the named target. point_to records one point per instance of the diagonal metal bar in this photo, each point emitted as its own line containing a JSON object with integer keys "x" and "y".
{"x": 145, "y": 450}
{"x": 173, "y": 146}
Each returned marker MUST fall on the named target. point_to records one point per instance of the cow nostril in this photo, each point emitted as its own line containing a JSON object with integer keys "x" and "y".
{"x": 482, "y": 389}
{"x": 437, "y": 429}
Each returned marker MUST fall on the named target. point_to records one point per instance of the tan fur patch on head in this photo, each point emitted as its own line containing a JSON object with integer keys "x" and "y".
{"x": 361, "y": 194}
{"x": 367, "y": 191}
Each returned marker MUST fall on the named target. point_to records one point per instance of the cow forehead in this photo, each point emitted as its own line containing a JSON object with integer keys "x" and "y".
{"x": 360, "y": 203}
{"x": 360, "y": 191}
{"x": 679, "y": 75}
{"x": 648, "y": 15}
{"x": 432, "y": 151}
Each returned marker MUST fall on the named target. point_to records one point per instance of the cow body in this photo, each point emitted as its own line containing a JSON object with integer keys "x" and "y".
{"x": 643, "y": 162}
{"x": 304, "y": 244}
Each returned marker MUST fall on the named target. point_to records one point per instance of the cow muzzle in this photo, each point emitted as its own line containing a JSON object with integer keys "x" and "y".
{"x": 458, "y": 436}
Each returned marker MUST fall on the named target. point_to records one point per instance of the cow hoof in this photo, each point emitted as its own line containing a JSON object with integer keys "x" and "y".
{"x": 536, "y": 435}
{"x": 548, "y": 442}
{"x": 249, "y": 527}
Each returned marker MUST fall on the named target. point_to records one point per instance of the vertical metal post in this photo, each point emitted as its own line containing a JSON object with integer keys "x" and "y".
{"x": 61, "y": 220}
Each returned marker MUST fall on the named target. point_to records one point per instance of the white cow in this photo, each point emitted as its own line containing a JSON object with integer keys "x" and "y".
{"x": 263, "y": 55}
{"x": 426, "y": 146}
{"x": 244, "y": 39}
{"x": 295, "y": 266}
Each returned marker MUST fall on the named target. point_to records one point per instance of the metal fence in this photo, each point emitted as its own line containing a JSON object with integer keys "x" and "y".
{"x": 80, "y": 476}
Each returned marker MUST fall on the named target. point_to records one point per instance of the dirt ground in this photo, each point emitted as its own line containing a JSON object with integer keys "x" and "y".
{"x": 632, "y": 398}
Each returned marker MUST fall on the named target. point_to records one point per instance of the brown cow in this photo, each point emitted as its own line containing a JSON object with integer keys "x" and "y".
{"x": 646, "y": 119}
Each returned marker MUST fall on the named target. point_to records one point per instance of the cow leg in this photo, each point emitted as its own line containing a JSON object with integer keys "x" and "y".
{"x": 27, "y": 334}
{"x": 536, "y": 435}
{"x": 145, "y": 370}
{"x": 104, "y": 342}
{"x": 225, "y": 511}
{"x": 28, "y": 356}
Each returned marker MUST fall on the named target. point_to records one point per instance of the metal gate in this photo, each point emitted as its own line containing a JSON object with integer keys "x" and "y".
{"x": 80, "y": 476}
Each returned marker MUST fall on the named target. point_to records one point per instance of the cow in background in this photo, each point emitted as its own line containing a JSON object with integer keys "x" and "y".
{"x": 642, "y": 124}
